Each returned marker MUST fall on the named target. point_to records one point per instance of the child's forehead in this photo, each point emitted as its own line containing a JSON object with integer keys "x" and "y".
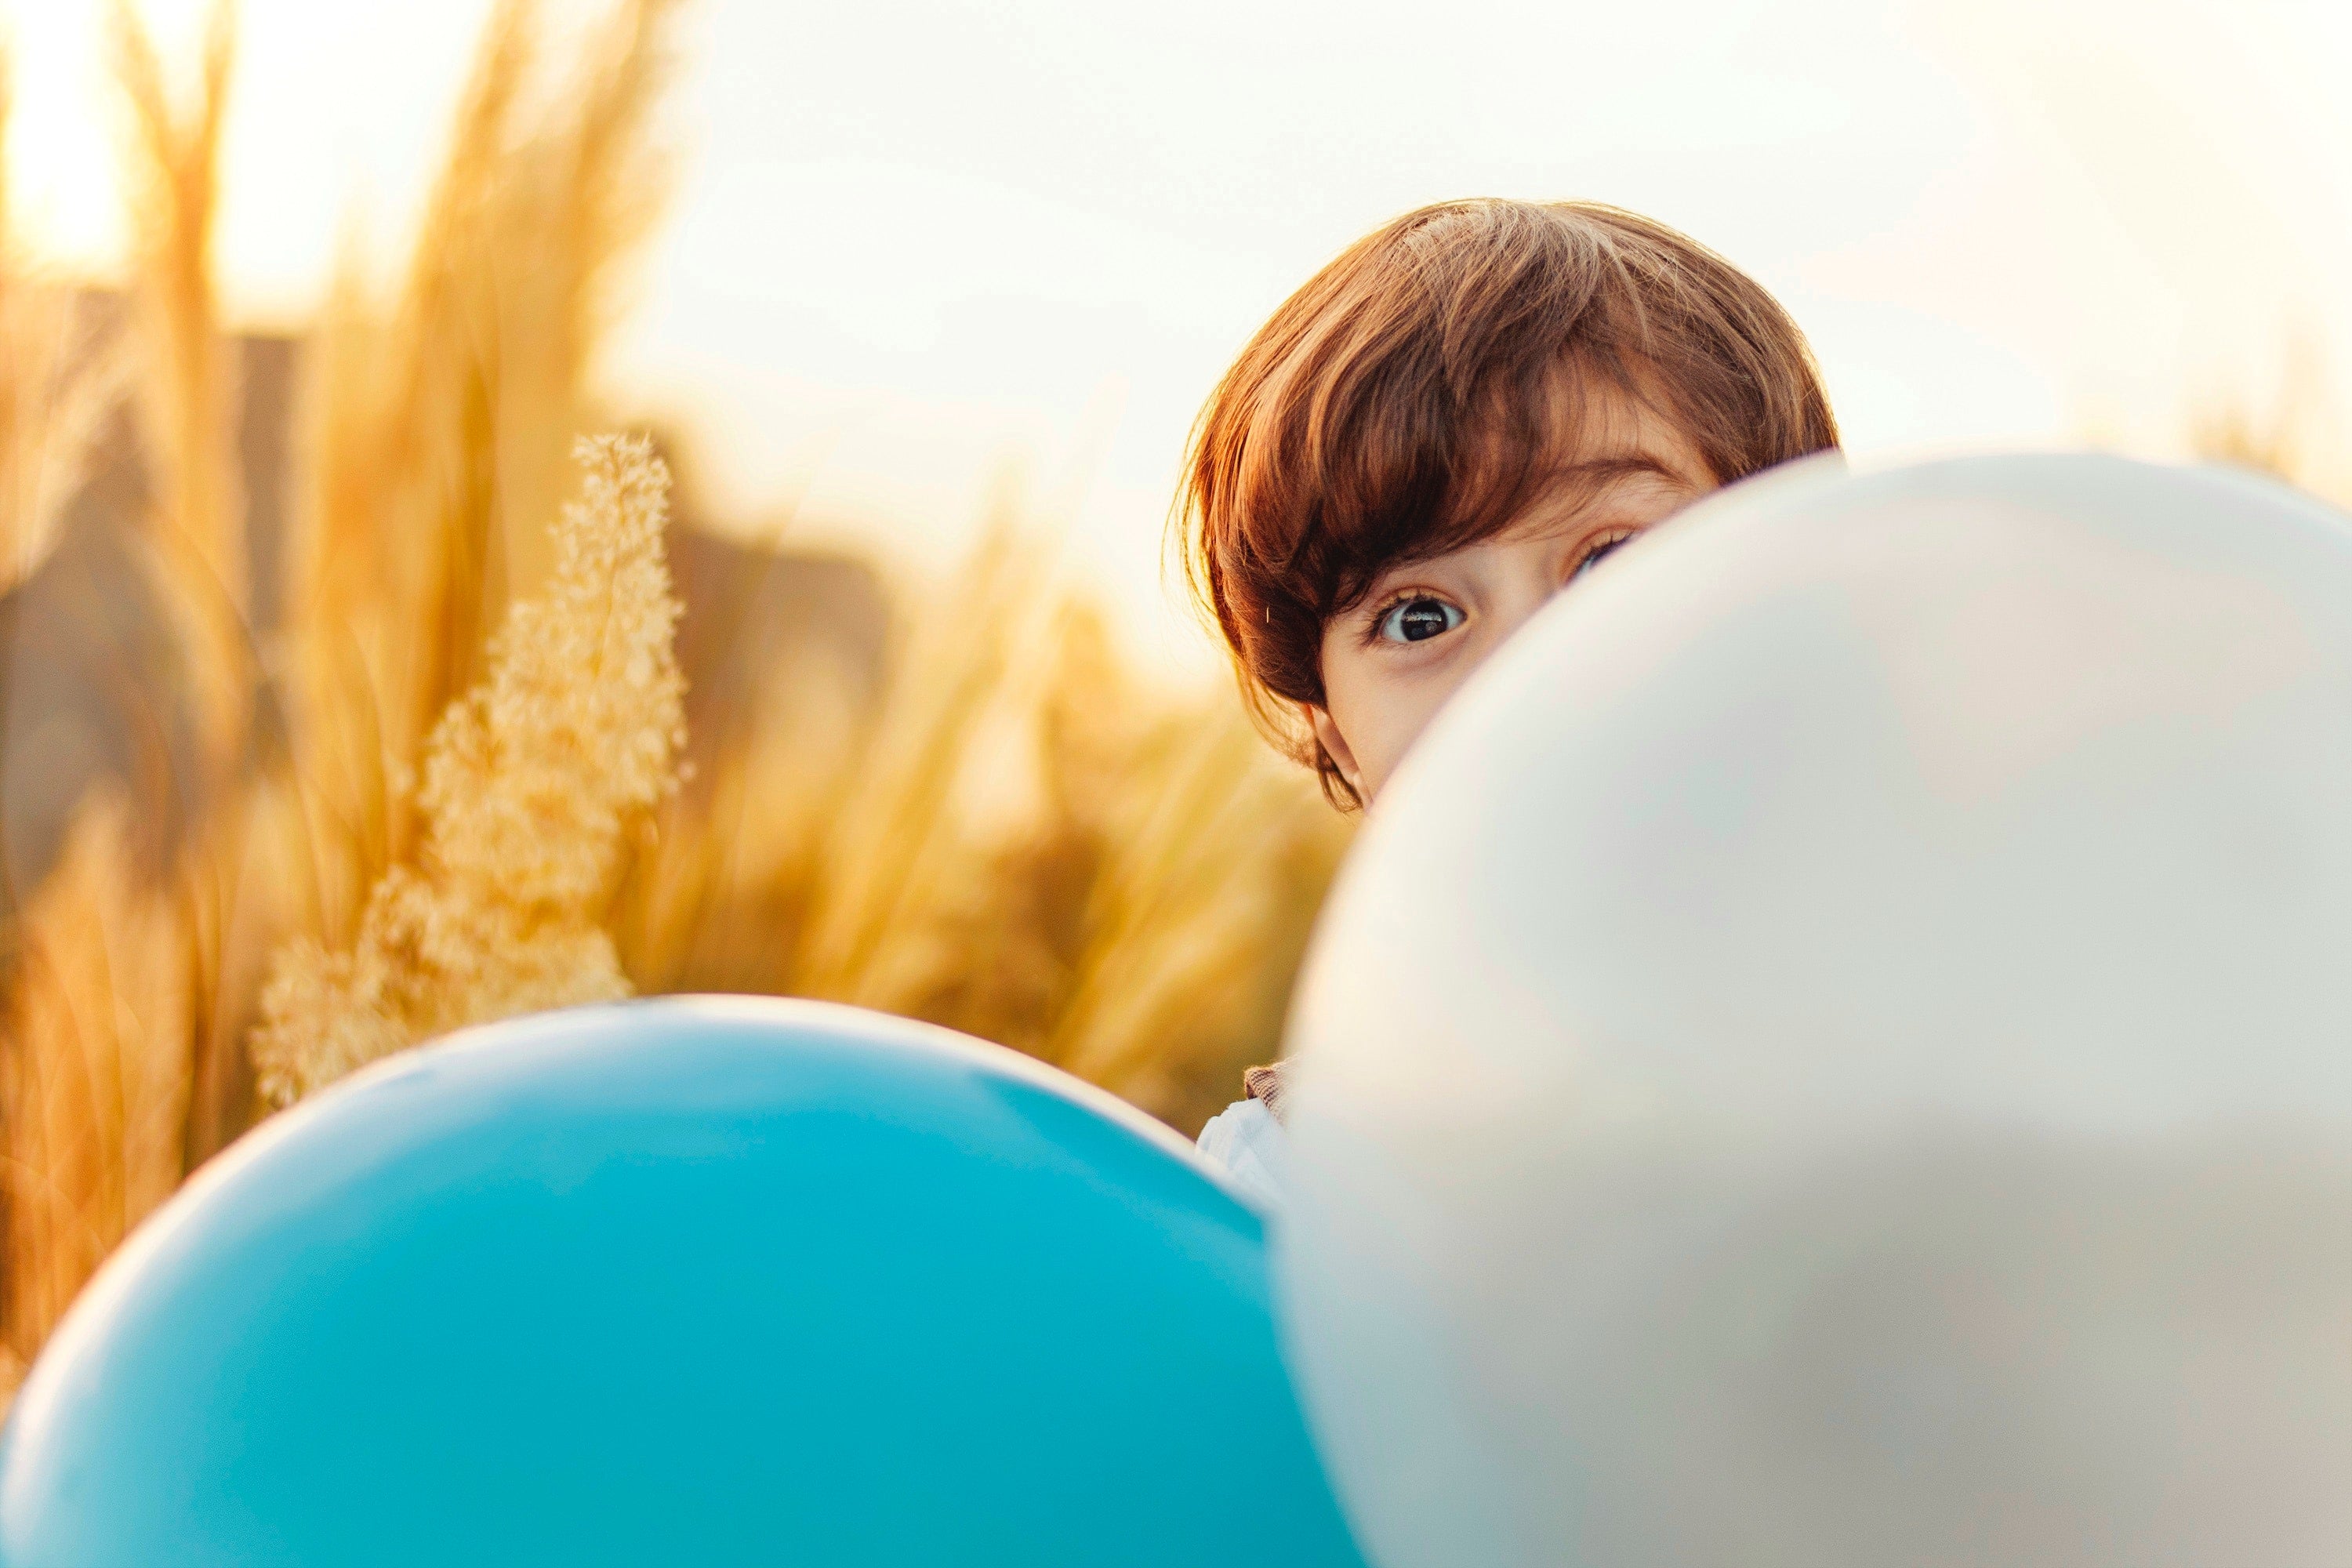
{"x": 1526, "y": 461}
{"x": 1601, "y": 432}
{"x": 1595, "y": 414}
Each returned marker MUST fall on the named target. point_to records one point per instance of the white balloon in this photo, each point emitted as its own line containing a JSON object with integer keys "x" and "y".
{"x": 1836, "y": 1048}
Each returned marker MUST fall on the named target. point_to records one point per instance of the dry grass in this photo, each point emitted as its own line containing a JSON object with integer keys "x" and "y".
{"x": 2290, "y": 433}
{"x": 413, "y": 824}
{"x": 94, "y": 1084}
{"x": 437, "y": 424}
{"x": 183, "y": 386}
{"x": 531, "y": 781}
{"x": 111, "y": 1031}
{"x": 1022, "y": 839}
{"x": 429, "y": 420}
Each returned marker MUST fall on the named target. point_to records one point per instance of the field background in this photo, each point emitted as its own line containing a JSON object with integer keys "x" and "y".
{"x": 276, "y": 795}
{"x": 242, "y": 578}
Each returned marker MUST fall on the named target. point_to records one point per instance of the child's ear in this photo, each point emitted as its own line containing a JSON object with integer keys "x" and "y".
{"x": 1334, "y": 746}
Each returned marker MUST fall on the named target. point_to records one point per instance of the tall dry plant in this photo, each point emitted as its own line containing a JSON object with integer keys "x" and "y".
{"x": 531, "y": 781}
{"x": 94, "y": 1081}
{"x": 184, "y": 384}
{"x": 437, "y": 425}
{"x": 113, "y": 1018}
{"x": 64, "y": 377}
{"x": 1020, "y": 839}
{"x": 1217, "y": 860}
{"x": 901, "y": 844}
{"x": 433, "y": 424}
{"x": 1016, "y": 835}
{"x": 224, "y": 870}
{"x": 2293, "y": 433}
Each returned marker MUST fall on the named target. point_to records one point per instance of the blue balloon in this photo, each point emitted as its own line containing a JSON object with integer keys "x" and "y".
{"x": 705, "y": 1282}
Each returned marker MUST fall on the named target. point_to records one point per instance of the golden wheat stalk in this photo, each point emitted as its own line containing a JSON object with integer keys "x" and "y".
{"x": 435, "y": 428}
{"x": 184, "y": 395}
{"x": 1215, "y": 864}
{"x": 195, "y": 538}
{"x": 531, "y": 780}
{"x": 400, "y": 453}
{"x": 897, "y": 848}
{"x": 93, "y": 1071}
{"x": 67, "y": 373}
{"x": 1017, "y": 837}
{"x": 129, "y": 986}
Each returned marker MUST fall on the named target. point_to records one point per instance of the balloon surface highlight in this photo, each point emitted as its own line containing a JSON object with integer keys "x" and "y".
{"x": 704, "y": 1282}
{"x": 1836, "y": 1048}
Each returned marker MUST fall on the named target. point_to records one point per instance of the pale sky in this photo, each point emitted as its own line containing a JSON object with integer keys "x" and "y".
{"x": 916, "y": 239}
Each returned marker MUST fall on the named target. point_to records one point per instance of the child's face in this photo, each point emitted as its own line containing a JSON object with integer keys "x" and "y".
{"x": 1390, "y": 662}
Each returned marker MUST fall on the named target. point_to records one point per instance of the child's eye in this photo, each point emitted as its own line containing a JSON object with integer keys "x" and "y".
{"x": 1418, "y": 619}
{"x": 1592, "y": 557}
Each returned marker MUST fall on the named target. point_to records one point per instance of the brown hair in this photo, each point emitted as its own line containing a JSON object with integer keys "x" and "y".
{"x": 1408, "y": 400}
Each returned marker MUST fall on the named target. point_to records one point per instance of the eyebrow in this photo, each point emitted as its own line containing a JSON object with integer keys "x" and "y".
{"x": 1615, "y": 466}
{"x": 1580, "y": 484}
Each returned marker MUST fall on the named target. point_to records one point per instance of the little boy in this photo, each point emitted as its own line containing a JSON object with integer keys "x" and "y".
{"x": 1453, "y": 421}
